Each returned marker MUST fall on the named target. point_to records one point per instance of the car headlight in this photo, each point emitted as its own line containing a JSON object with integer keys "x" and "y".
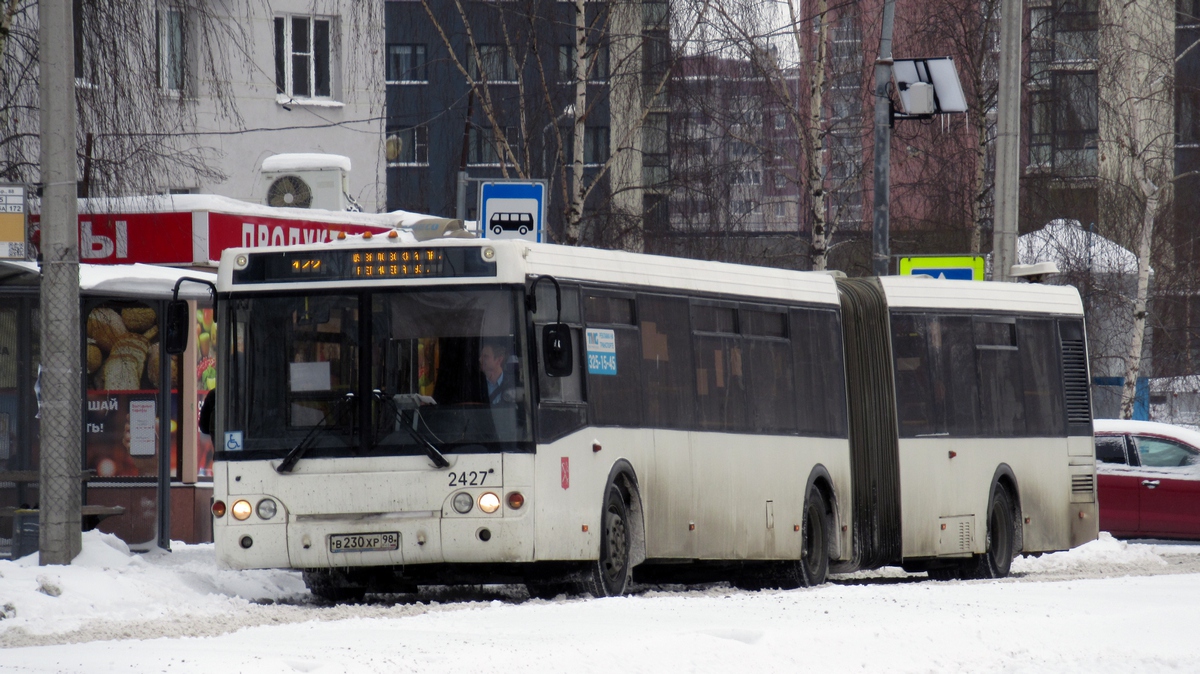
{"x": 463, "y": 503}
{"x": 489, "y": 502}
{"x": 267, "y": 509}
{"x": 241, "y": 510}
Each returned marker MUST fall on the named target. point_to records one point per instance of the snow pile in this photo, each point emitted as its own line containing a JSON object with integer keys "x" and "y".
{"x": 106, "y": 581}
{"x": 1106, "y": 556}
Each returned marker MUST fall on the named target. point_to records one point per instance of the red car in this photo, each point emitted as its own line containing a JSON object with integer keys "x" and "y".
{"x": 1148, "y": 479}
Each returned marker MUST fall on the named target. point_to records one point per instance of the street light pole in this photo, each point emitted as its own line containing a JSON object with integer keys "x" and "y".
{"x": 880, "y": 248}
{"x": 60, "y": 405}
{"x": 1008, "y": 143}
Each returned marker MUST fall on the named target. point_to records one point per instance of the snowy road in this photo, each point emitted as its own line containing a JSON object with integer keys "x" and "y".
{"x": 1109, "y": 606}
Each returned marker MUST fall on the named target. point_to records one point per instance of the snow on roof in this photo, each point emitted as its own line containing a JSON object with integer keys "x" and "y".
{"x": 144, "y": 281}
{"x": 177, "y": 203}
{"x": 1073, "y": 248}
{"x": 306, "y": 161}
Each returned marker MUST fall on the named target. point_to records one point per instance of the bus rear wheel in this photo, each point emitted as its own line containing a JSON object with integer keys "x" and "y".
{"x": 609, "y": 575}
{"x": 1001, "y": 540}
{"x": 813, "y": 566}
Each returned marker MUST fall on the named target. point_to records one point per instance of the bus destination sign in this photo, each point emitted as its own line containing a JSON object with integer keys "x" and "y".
{"x": 397, "y": 263}
{"x": 366, "y": 265}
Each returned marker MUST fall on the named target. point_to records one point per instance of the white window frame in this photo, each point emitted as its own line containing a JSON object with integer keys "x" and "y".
{"x": 170, "y": 54}
{"x": 288, "y": 91}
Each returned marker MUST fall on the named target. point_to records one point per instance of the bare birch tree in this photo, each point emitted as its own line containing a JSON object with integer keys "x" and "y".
{"x": 608, "y": 47}
{"x": 1136, "y": 145}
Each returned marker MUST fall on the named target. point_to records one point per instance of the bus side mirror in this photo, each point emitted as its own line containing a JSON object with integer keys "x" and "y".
{"x": 178, "y": 320}
{"x": 556, "y": 350}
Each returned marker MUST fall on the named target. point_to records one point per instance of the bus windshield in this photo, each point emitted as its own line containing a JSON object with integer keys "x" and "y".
{"x": 376, "y": 373}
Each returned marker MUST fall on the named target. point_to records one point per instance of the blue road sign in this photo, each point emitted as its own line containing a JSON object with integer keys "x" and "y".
{"x": 959, "y": 274}
{"x": 512, "y": 209}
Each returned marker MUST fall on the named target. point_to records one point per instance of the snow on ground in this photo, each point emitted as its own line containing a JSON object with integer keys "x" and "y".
{"x": 1108, "y": 606}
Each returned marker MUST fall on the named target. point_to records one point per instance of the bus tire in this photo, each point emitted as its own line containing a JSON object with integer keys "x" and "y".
{"x": 523, "y": 230}
{"x": 332, "y": 586}
{"x": 609, "y": 575}
{"x": 813, "y": 566}
{"x": 1001, "y": 540}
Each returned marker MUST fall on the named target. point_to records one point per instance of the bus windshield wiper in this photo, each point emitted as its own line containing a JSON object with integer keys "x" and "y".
{"x": 308, "y": 440}
{"x": 435, "y": 455}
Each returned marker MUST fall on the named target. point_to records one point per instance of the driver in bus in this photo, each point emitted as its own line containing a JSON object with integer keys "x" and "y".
{"x": 493, "y": 356}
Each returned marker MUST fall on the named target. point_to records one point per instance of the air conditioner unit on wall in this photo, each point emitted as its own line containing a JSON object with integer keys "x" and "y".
{"x": 307, "y": 180}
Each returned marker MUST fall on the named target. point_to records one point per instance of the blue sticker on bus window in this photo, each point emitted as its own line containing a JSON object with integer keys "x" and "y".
{"x": 601, "y": 351}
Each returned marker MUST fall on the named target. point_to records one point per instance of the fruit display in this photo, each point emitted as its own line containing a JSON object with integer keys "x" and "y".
{"x": 206, "y": 339}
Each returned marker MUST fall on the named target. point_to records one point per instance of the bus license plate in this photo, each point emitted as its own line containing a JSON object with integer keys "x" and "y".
{"x": 364, "y": 542}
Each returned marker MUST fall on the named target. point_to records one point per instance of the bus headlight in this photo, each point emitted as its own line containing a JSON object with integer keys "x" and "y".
{"x": 218, "y": 509}
{"x": 241, "y": 510}
{"x": 463, "y": 503}
{"x": 267, "y": 509}
{"x": 489, "y": 502}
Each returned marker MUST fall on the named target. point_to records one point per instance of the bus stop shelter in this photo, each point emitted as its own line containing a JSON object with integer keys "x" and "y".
{"x": 143, "y": 460}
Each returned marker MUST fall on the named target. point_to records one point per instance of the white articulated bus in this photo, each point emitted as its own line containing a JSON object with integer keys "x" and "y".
{"x": 393, "y": 413}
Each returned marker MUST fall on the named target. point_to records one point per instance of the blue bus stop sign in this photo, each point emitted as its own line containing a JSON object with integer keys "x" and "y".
{"x": 512, "y": 209}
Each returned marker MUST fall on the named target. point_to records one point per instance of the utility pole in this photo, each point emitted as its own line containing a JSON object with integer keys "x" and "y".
{"x": 1008, "y": 142}
{"x": 60, "y": 405}
{"x": 880, "y": 248}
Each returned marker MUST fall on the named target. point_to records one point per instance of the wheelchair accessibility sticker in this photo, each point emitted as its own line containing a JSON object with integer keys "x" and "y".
{"x": 233, "y": 441}
{"x": 601, "y": 351}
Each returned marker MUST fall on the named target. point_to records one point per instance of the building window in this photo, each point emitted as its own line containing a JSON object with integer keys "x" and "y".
{"x": 1076, "y": 30}
{"x": 406, "y": 63}
{"x": 169, "y": 48}
{"x": 85, "y": 63}
{"x": 596, "y": 63}
{"x": 1041, "y": 44}
{"x": 780, "y": 181}
{"x": 1188, "y": 116}
{"x": 495, "y": 65}
{"x": 595, "y": 145}
{"x": 655, "y": 157}
{"x": 302, "y": 56}
{"x": 408, "y": 146}
{"x": 747, "y": 177}
{"x": 780, "y": 122}
{"x": 1064, "y": 124}
{"x": 483, "y": 147}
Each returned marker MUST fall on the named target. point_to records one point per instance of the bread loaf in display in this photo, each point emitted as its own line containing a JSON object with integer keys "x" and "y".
{"x": 138, "y": 319}
{"x": 152, "y": 368}
{"x": 121, "y": 373}
{"x": 94, "y": 357}
{"x": 105, "y": 326}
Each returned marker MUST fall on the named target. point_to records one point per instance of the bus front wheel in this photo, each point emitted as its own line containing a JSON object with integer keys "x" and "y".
{"x": 609, "y": 575}
{"x": 1001, "y": 540}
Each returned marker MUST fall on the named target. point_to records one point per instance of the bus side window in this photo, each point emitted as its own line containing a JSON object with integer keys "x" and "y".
{"x": 669, "y": 393}
{"x": 613, "y": 380}
{"x": 956, "y": 372}
{"x": 820, "y": 372}
{"x": 1044, "y": 414}
{"x": 914, "y": 389}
